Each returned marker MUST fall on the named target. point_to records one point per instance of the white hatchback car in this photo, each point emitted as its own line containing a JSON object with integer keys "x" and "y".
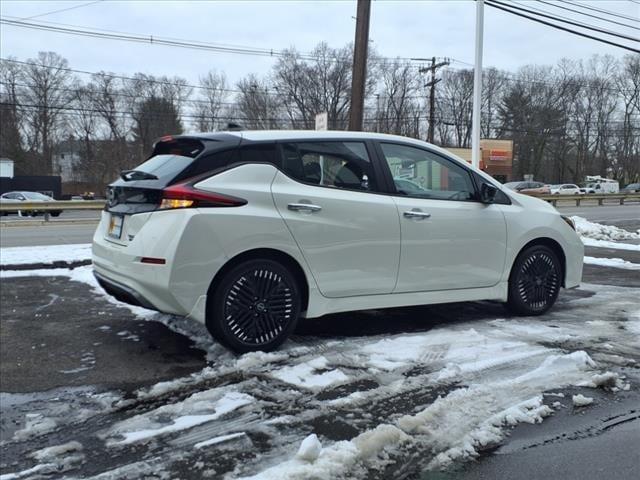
{"x": 249, "y": 231}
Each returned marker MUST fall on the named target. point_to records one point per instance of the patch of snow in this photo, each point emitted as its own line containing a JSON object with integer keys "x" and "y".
{"x": 591, "y": 242}
{"x": 45, "y": 254}
{"x": 220, "y": 439}
{"x": 197, "y": 409}
{"x": 49, "y": 453}
{"x": 612, "y": 262}
{"x": 35, "y": 424}
{"x": 40, "y": 469}
{"x": 304, "y": 374}
{"x": 581, "y": 401}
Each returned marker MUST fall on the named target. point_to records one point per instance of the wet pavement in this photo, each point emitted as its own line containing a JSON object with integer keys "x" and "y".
{"x": 73, "y": 365}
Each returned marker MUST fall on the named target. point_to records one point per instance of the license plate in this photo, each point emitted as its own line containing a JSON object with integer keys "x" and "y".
{"x": 115, "y": 226}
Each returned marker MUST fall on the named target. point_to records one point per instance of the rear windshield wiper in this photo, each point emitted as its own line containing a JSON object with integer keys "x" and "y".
{"x": 129, "y": 175}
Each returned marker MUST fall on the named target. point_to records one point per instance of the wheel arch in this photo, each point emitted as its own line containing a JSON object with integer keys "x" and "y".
{"x": 270, "y": 254}
{"x": 550, "y": 243}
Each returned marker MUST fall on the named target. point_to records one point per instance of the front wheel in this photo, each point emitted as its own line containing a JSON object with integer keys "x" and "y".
{"x": 535, "y": 281}
{"x": 255, "y": 306}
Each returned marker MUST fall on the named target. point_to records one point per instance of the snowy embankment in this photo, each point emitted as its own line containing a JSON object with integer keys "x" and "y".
{"x": 45, "y": 255}
{"x": 606, "y": 236}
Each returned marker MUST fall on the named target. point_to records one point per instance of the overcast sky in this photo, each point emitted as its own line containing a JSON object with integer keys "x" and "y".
{"x": 442, "y": 28}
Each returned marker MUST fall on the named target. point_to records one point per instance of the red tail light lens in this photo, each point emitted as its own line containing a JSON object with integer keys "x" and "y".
{"x": 185, "y": 195}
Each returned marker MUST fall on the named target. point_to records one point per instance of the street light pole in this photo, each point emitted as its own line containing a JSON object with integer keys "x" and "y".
{"x": 477, "y": 87}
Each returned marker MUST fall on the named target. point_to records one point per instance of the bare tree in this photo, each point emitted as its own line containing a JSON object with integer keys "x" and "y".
{"x": 455, "y": 100}
{"x": 11, "y": 114}
{"x": 45, "y": 96}
{"x": 257, "y": 106}
{"x": 211, "y": 102}
{"x": 316, "y": 84}
{"x": 398, "y": 111}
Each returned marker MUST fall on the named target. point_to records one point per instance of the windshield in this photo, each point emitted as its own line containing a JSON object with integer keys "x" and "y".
{"x": 36, "y": 196}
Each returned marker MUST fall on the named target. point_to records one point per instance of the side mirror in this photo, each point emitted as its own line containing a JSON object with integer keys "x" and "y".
{"x": 488, "y": 193}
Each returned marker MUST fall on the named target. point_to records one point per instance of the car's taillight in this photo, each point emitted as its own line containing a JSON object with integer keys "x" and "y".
{"x": 185, "y": 195}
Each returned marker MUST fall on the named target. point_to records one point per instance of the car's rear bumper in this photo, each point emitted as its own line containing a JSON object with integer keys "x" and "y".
{"x": 123, "y": 292}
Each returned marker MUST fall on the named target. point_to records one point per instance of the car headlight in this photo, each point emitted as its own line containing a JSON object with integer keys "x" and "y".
{"x": 569, "y": 221}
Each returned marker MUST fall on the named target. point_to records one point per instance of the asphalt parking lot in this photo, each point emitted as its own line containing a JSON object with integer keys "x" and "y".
{"x": 75, "y": 367}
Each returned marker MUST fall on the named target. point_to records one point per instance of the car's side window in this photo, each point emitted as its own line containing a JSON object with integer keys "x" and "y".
{"x": 423, "y": 174}
{"x": 330, "y": 164}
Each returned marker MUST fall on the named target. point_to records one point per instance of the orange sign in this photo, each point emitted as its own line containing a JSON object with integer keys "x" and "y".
{"x": 499, "y": 155}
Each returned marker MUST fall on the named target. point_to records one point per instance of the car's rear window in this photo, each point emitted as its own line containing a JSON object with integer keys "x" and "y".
{"x": 165, "y": 166}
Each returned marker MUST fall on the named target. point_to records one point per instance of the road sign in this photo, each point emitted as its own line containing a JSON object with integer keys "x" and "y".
{"x": 322, "y": 121}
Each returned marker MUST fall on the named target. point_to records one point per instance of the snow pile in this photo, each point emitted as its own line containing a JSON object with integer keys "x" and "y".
{"x": 310, "y": 448}
{"x": 468, "y": 420}
{"x": 337, "y": 459}
{"x": 46, "y": 255}
{"x": 581, "y": 401}
{"x": 197, "y": 409}
{"x": 597, "y": 231}
{"x": 612, "y": 262}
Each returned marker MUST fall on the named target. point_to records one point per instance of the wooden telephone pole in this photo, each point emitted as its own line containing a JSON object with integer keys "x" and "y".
{"x": 359, "y": 76}
{"x": 432, "y": 94}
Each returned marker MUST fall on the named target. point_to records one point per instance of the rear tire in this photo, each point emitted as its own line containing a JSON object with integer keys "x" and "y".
{"x": 255, "y": 306}
{"x": 535, "y": 281}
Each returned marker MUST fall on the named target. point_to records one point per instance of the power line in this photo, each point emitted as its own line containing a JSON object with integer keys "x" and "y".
{"x": 176, "y": 42}
{"x": 558, "y": 18}
{"x": 588, "y": 14}
{"x": 62, "y": 10}
{"x": 606, "y": 12}
{"x": 559, "y": 27}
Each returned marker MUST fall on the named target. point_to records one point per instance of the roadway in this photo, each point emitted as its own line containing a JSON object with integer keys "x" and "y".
{"x": 78, "y": 226}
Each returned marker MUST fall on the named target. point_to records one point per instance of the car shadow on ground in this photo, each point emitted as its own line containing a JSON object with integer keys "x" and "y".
{"x": 420, "y": 318}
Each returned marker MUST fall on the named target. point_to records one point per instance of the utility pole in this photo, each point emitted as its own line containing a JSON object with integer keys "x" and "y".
{"x": 432, "y": 94}
{"x": 359, "y": 74}
{"x": 477, "y": 87}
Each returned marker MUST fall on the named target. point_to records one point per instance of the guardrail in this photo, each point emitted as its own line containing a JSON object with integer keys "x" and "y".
{"x": 553, "y": 199}
{"x": 48, "y": 207}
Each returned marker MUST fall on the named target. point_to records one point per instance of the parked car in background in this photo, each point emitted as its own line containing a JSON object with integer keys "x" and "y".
{"x": 248, "y": 231}
{"x": 566, "y": 189}
{"x": 631, "y": 188}
{"x": 18, "y": 198}
{"x": 535, "y": 188}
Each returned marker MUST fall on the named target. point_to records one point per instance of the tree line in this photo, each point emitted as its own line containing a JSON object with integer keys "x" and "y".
{"x": 575, "y": 118}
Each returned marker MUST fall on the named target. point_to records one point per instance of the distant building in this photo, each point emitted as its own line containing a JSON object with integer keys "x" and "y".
{"x": 6, "y": 167}
{"x": 497, "y": 158}
{"x": 66, "y": 161}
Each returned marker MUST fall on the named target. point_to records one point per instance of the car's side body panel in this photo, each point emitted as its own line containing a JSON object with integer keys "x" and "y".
{"x": 352, "y": 244}
{"x": 460, "y": 245}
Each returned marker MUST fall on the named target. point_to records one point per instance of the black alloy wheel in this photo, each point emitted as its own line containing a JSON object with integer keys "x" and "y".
{"x": 255, "y": 307}
{"x": 535, "y": 281}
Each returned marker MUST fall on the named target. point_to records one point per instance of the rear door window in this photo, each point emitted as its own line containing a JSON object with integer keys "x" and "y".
{"x": 330, "y": 164}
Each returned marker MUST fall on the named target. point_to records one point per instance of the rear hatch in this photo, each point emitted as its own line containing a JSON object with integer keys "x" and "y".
{"x": 174, "y": 160}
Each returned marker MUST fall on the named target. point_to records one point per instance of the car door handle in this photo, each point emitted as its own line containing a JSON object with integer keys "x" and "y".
{"x": 417, "y": 214}
{"x": 304, "y": 207}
